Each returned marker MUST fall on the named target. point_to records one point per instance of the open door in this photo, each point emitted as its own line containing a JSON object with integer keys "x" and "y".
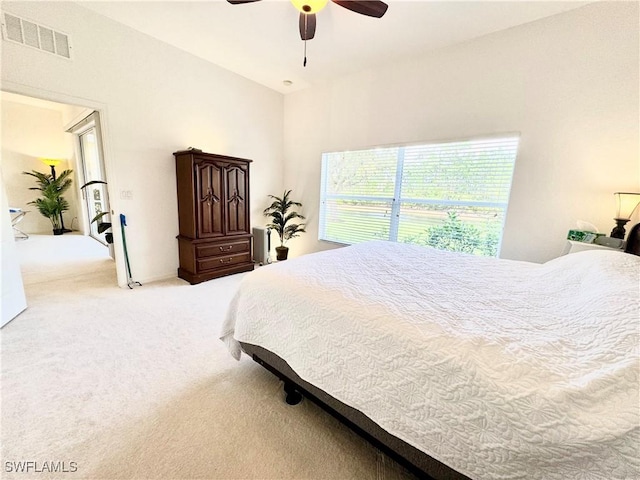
{"x": 95, "y": 196}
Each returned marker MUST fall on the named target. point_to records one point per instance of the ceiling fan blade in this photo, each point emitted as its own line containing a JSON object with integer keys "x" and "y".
{"x": 371, "y": 8}
{"x": 240, "y": 2}
{"x": 307, "y": 24}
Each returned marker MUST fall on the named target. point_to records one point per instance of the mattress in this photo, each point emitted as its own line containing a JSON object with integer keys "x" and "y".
{"x": 499, "y": 369}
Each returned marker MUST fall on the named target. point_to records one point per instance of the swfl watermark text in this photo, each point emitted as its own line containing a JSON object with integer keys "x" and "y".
{"x": 33, "y": 466}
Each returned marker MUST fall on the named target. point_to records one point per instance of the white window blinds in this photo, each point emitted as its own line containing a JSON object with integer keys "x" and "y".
{"x": 451, "y": 196}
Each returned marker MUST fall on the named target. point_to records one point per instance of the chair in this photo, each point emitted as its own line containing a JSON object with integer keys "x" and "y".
{"x": 17, "y": 214}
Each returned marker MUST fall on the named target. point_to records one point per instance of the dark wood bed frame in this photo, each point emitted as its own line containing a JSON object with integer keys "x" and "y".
{"x": 414, "y": 460}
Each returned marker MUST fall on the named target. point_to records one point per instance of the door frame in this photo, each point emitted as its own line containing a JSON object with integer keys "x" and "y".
{"x": 111, "y": 179}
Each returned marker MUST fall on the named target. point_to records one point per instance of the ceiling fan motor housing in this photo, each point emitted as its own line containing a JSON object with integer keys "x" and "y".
{"x": 309, "y": 6}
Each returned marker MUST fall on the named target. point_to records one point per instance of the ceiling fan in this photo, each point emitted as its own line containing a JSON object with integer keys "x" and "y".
{"x": 309, "y": 8}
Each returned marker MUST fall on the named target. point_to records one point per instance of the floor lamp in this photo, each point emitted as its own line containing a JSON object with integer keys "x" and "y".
{"x": 52, "y": 163}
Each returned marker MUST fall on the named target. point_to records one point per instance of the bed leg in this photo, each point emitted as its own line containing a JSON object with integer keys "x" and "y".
{"x": 294, "y": 397}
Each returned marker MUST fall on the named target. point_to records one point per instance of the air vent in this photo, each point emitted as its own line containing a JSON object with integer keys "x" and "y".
{"x": 20, "y": 30}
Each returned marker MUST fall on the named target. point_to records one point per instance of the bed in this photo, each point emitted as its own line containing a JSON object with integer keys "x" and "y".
{"x": 459, "y": 366}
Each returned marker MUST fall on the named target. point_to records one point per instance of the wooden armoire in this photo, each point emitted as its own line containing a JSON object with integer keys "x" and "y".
{"x": 213, "y": 214}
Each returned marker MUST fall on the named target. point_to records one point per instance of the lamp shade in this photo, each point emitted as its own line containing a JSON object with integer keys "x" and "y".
{"x": 626, "y": 203}
{"x": 309, "y": 6}
{"x": 52, "y": 162}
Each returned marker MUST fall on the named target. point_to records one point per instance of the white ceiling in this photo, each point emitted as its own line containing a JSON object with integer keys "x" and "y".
{"x": 261, "y": 41}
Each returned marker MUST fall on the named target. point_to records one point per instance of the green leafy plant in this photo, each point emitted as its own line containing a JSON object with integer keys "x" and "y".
{"x": 457, "y": 236}
{"x": 102, "y": 226}
{"x": 454, "y": 235}
{"x": 52, "y": 203}
{"x": 282, "y": 215}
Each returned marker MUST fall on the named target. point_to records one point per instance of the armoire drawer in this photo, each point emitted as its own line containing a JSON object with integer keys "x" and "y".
{"x": 212, "y": 263}
{"x": 223, "y": 248}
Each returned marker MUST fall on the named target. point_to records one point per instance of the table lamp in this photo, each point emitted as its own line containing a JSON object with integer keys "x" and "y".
{"x": 626, "y": 203}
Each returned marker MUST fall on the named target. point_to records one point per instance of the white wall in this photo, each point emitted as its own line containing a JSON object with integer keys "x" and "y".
{"x": 567, "y": 83}
{"x": 30, "y": 133}
{"x": 154, "y": 99}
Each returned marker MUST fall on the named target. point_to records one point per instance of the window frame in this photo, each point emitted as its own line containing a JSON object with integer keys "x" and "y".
{"x": 398, "y": 200}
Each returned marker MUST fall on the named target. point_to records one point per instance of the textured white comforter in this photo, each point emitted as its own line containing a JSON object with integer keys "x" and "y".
{"x": 500, "y": 369}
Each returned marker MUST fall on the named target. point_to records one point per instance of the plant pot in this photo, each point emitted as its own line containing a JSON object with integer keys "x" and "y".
{"x": 281, "y": 253}
{"x": 58, "y": 231}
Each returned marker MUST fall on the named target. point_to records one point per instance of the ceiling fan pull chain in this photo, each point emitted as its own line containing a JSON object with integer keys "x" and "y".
{"x": 304, "y": 64}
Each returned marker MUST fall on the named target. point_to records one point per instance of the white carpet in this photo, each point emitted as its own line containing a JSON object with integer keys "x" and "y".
{"x": 135, "y": 384}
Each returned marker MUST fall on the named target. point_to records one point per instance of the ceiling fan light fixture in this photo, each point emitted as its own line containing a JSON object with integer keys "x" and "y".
{"x": 309, "y": 6}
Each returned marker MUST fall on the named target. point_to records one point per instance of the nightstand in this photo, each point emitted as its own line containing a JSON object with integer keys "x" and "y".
{"x": 573, "y": 247}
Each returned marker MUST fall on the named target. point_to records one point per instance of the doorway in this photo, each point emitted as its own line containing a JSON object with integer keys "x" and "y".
{"x": 34, "y": 131}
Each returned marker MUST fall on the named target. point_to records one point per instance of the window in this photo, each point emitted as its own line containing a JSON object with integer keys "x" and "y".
{"x": 451, "y": 196}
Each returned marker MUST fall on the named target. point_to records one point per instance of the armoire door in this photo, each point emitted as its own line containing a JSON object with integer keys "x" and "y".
{"x": 209, "y": 200}
{"x": 237, "y": 200}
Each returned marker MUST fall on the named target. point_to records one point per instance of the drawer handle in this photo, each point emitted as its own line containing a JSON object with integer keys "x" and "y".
{"x": 222, "y": 249}
{"x": 226, "y": 261}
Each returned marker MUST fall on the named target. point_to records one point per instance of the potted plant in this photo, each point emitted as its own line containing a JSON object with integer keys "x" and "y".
{"x": 102, "y": 226}
{"x": 281, "y": 214}
{"x": 52, "y": 203}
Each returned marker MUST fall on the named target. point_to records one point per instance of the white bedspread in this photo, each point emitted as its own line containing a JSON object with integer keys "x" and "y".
{"x": 500, "y": 369}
